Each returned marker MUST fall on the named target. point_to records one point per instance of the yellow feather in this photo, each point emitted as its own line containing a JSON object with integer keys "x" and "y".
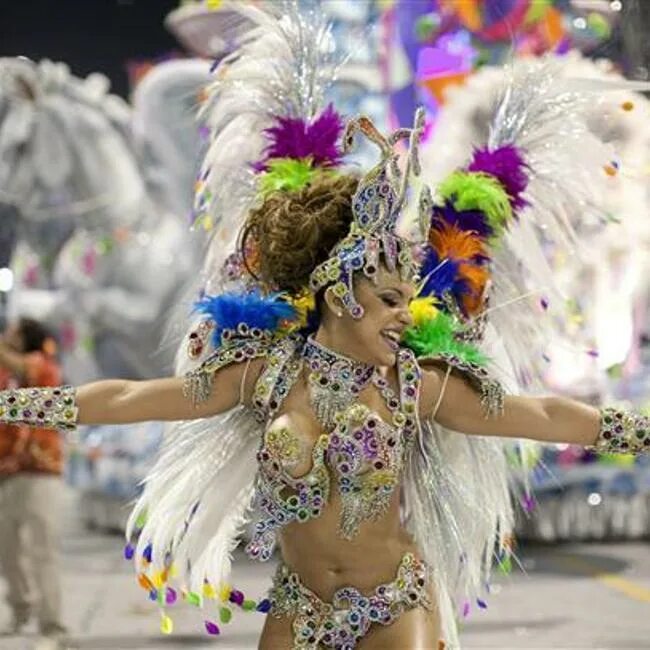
{"x": 423, "y": 310}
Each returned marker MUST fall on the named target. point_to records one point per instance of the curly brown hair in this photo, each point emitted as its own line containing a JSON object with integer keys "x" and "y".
{"x": 292, "y": 232}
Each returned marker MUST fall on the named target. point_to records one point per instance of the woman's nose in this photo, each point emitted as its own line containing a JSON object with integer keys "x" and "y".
{"x": 405, "y": 317}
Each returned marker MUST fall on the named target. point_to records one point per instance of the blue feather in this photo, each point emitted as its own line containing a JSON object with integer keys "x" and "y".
{"x": 441, "y": 276}
{"x": 228, "y": 310}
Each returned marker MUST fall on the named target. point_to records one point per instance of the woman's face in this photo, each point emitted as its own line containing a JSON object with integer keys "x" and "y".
{"x": 375, "y": 337}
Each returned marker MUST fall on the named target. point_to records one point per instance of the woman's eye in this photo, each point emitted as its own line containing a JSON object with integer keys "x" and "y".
{"x": 391, "y": 302}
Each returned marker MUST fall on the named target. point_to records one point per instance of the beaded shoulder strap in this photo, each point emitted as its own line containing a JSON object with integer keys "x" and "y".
{"x": 408, "y": 373}
{"x": 238, "y": 346}
{"x": 491, "y": 391}
{"x": 280, "y": 372}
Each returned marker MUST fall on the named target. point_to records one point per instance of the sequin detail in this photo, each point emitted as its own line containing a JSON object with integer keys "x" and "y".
{"x": 376, "y": 206}
{"x": 54, "y": 408}
{"x": 283, "y": 499}
{"x": 342, "y": 623}
{"x": 238, "y": 345}
{"x": 622, "y": 432}
{"x": 365, "y": 454}
{"x": 281, "y": 368}
{"x": 334, "y": 381}
{"x": 198, "y": 338}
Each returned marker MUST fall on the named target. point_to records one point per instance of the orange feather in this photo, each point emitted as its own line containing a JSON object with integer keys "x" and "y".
{"x": 467, "y": 248}
{"x": 450, "y": 241}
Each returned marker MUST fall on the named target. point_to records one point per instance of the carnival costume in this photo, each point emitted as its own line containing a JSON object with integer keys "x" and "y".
{"x": 272, "y": 132}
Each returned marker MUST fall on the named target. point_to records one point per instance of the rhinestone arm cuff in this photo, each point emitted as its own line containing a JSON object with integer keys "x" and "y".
{"x": 490, "y": 390}
{"x": 237, "y": 347}
{"x": 622, "y": 432}
{"x": 53, "y": 408}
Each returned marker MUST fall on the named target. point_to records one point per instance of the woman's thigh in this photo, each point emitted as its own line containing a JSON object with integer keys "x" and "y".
{"x": 416, "y": 629}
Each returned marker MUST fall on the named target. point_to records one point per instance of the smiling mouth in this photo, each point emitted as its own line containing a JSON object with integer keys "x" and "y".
{"x": 392, "y": 339}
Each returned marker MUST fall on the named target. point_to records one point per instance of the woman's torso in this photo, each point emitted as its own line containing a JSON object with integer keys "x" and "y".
{"x": 347, "y": 480}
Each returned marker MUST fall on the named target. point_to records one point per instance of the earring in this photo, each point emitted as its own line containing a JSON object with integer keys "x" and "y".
{"x": 339, "y": 314}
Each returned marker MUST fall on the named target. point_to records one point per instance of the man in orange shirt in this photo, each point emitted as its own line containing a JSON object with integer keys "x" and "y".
{"x": 31, "y": 486}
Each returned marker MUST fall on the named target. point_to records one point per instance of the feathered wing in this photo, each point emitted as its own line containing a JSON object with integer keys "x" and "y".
{"x": 196, "y": 499}
{"x": 545, "y": 108}
{"x": 458, "y": 488}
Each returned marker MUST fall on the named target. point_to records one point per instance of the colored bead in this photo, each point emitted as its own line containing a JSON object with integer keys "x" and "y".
{"x": 209, "y": 591}
{"x": 212, "y": 628}
{"x": 146, "y": 554}
{"x": 236, "y": 597}
{"x": 225, "y": 614}
{"x": 129, "y": 552}
{"x": 193, "y": 599}
{"x": 528, "y": 503}
{"x": 505, "y": 564}
{"x": 249, "y": 605}
{"x": 159, "y": 579}
{"x": 264, "y": 606}
{"x": 170, "y": 596}
{"x": 166, "y": 625}
{"x": 145, "y": 583}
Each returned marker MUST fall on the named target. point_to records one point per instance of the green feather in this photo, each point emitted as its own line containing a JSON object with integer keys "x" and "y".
{"x": 287, "y": 174}
{"x": 477, "y": 191}
{"x": 438, "y": 336}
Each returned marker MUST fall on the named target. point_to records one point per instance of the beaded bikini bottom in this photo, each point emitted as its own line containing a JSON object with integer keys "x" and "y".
{"x": 342, "y": 623}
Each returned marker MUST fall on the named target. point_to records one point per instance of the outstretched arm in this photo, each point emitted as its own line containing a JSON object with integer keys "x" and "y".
{"x": 118, "y": 401}
{"x": 546, "y": 419}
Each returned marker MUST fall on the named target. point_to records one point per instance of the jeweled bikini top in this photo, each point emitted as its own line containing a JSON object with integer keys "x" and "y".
{"x": 362, "y": 452}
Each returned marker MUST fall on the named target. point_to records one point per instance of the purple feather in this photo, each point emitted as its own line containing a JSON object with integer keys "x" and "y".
{"x": 295, "y": 138}
{"x": 473, "y": 220}
{"x": 508, "y": 165}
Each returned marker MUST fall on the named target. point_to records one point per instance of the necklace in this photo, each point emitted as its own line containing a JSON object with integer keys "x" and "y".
{"x": 335, "y": 381}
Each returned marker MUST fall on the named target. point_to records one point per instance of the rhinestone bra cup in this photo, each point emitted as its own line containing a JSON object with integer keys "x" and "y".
{"x": 361, "y": 453}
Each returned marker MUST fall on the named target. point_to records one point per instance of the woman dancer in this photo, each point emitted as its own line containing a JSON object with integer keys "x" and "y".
{"x": 311, "y": 406}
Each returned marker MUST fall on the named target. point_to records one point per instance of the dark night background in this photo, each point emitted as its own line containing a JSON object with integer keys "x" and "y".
{"x": 89, "y": 35}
